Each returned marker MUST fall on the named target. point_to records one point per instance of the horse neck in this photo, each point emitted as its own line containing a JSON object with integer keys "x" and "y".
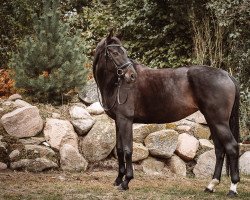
{"x": 106, "y": 81}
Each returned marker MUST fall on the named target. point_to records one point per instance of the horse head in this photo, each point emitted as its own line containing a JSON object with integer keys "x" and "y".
{"x": 111, "y": 55}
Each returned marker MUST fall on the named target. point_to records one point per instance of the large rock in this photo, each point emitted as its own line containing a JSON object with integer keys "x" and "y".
{"x": 78, "y": 112}
{"x": 201, "y": 131}
{"x": 206, "y": 164}
{"x": 3, "y": 166}
{"x": 82, "y": 126}
{"x": 33, "y": 140}
{"x": 95, "y": 109}
{"x": 183, "y": 128}
{"x": 162, "y": 143}
{"x": 184, "y": 122}
{"x": 140, "y": 152}
{"x": 14, "y": 155}
{"x": 100, "y": 140}
{"x": 177, "y": 166}
{"x": 8, "y": 104}
{"x": 14, "y": 97}
{"x": 141, "y": 131}
{"x": 55, "y": 115}
{"x": 23, "y": 122}
{"x": 41, "y": 164}
{"x": 244, "y": 148}
{"x": 106, "y": 164}
{"x": 89, "y": 95}
{"x": 34, "y": 165}
{"x": 152, "y": 166}
{"x": 71, "y": 159}
{"x": 245, "y": 163}
{"x": 197, "y": 117}
{"x": 20, "y": 103}
{"x": 21, "y": 164}
{"x": 204, "y": 143}
{"x": 58, "y": 132}
{"x": 187, "y": 146}
{"x": 42, "y": 151}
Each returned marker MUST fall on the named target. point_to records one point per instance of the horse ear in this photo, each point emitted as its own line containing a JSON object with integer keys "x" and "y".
{"x": 120, "y": 35}
{"x": 111, "y": 33}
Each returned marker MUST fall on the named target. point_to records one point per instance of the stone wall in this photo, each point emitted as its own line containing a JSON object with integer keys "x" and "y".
{"x": 83, "y": 138}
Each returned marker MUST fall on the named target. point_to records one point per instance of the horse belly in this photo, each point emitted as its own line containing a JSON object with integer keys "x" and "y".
{"x": 159, "y": 110}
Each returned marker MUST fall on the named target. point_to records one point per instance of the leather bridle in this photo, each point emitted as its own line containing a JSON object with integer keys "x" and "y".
{"x": 120, "y": 74}
{"x": 120, "y": 68}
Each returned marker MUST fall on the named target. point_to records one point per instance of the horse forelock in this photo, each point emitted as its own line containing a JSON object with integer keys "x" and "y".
{"x": 116, "y": 40}
{"x": 101, "y": 44}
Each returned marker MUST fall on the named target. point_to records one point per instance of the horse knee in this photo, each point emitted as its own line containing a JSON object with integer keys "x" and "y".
{"x": 119, "y": 151}
{"x": 219, "y": 155}
{"x": 127, "y": 153}
{"x": 232, "y": 150}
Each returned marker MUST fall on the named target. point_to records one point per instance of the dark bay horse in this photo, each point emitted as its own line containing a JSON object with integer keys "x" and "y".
{"x": 132, "y": 93}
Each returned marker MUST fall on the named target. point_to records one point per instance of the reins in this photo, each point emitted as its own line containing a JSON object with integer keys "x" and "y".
{"x": 120, "y": 74}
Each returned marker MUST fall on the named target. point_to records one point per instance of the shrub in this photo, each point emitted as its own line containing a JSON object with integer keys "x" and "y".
{"x": 50, "y": 63}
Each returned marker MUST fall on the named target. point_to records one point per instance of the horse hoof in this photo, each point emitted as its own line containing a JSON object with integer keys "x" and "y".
{"x": 232, "y": 194}
{"x": 116, "y": 184}
{"x": 208, "y": 190}
{"x": 121, "y": 187}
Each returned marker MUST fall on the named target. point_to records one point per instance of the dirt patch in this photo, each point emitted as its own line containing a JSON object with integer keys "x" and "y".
{"x": 98, "y": 185}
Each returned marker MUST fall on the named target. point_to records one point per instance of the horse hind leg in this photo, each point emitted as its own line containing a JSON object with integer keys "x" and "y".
{"x": 220, "y": 154}
{"x": 233, "y": 156}
{"x": 231, "y": 148}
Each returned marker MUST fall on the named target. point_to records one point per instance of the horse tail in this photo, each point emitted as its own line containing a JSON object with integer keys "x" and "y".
{"x": 234, "y": 120}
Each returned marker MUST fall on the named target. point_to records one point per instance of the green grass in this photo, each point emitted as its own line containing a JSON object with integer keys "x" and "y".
{"x": 98, "y": 186}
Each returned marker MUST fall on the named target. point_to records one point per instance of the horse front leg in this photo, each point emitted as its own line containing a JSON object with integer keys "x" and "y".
{"x": 120, "y": 155}
{"x": 124, "y": 128}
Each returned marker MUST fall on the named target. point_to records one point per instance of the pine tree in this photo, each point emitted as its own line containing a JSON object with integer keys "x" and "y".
{"x": 51, "y": 62}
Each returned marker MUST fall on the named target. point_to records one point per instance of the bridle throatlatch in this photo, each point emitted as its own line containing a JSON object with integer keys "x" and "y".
{"x": 120, "y": 74}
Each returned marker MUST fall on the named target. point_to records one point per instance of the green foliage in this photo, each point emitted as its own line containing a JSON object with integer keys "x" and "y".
{"x": 155, "y": 32}
{"x": 158, "y": 33}
{"x": 233, "y": 16}
{"x": 51, "y": 62}
{"x": 16, "y": 22}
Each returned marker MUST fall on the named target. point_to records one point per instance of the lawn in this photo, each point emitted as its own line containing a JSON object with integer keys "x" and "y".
{"x": 98, "y": 185}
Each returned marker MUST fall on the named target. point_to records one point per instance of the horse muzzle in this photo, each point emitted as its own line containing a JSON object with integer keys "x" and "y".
{"x": 130, "y": 75}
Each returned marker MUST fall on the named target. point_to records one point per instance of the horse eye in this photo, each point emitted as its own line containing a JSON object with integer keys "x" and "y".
{"x": 115, "y": 53}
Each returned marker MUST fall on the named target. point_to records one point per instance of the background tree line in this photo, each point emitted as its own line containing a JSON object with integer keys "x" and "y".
{"x": 158, "y": 33}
